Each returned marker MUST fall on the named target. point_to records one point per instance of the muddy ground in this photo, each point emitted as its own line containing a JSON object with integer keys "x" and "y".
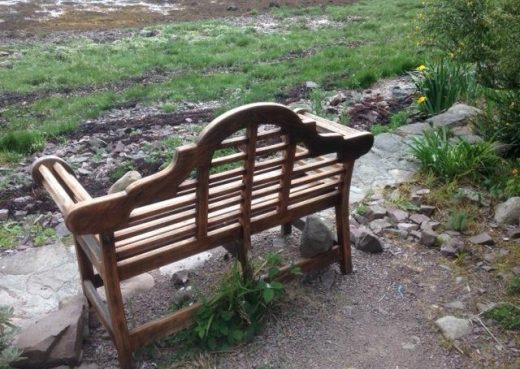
{"x": 26, "y": 19}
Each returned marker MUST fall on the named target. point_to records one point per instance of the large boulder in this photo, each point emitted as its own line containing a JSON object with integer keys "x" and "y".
{"x": 456, "y": 116}
{"x": 508, "y": 212}
{"x": 123, "y": 182}
{"x": 316, "y": 237}
{"x": 54, "y": 340}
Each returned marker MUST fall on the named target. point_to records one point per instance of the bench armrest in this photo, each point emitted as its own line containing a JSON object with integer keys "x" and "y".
{"x": 58, "y": 178}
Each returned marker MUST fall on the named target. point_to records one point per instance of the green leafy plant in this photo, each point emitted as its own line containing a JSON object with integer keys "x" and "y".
{"x": 121, "y": 170}
{"x": 9, "y": 233}
{"x": 441, "y": 84}
{"x": 506, "y": 314}
{"x": 514, "y": 286}
{"x": 454, "y": 161}
{"x": 236, "y": 312}
{"x": 458, "y": 221}
{"x": 22, "y": 142}
{"x": 8, "y": 353}
{"x": 396, "y": 120}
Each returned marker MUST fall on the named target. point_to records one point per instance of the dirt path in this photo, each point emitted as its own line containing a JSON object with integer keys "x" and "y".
{"x": 379, "y": 317}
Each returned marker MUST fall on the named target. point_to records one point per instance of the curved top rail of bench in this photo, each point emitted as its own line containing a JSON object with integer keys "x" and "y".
{"x": 108, "y": 212}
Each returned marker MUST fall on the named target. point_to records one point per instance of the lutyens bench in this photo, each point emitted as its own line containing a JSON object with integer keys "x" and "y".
{"x": 251, "y": 169}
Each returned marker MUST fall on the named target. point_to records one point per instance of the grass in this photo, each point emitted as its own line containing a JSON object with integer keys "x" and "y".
{"x": 203, "y": 61}
{"x": 396, "y": 120}
{"x": 507, "y": 315}
{"x": 11, "y": 232}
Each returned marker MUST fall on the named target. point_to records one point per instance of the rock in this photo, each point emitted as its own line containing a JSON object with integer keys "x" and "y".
{"x": 407, "y": 227}
{"x": 427, "y": 210}
{"x": 483, "y": 308}
{"x": 54, "y": 340}
{"x": 4, "y": 214}
{"x": 419, "y": 218}
{"x": 456, "y": 116}
{"x": 183, "y": 297}
{"x": 482, "y": 239}
{"x": 397, "y": 215}
{"x": 375, "y": 212}
{"x": 452, "y": 247}
{"x": 514, "y": 233}
{"x": 311, "y": 85}
{"x": 232, "y": 8}
{"x": 472, "y": 195}
{"x": 20, "y": 214}
{"x": 138, "y": 284}
{"x": 462, "y": 131}
{"x": 428, "y": 238}
{"x": 454, "y": 328}
{"x": 62, "y": 230}
{"x": 123, "y": 182}
{"x": 316, "y": 237}
{"x": 414, "y": 129}
{"x": 354, "y": 235}
{"x": 379, "y": 224}
{"x": 88, "y": 366}
{"x": 508, "y": 212}
{"x": 455, "y": 305}
{"x": 471, "y": 139}
{"x": 369, "y": 242}
{"x": 516, "y": 270}
{"x": 180, "y": 278}
{"x": 430, "y": 225}
{"x": 148, "y": 33}
{"x": 336, "y": 99}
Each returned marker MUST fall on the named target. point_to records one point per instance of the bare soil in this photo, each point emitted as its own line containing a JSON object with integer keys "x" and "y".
{"x": 25, "y": 22}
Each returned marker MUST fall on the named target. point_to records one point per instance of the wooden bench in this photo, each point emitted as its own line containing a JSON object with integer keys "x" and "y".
{"x": 277, "y": 171}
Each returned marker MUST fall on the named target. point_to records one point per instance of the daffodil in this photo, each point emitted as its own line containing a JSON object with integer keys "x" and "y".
{"x": 421, "y": 67}
{"x": 514, "y": 171}
{"x": 421, "y": 100}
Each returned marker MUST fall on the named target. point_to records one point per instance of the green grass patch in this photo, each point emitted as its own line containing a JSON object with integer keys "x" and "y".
{"x": 507, "y": 315}
{"x": 205, "y": 61}
{"x": 10, "y": 232}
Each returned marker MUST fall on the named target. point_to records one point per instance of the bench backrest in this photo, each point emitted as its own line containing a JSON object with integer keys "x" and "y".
{"x": 257, "y": 140}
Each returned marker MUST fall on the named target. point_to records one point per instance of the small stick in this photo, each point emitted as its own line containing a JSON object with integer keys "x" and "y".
{"x": 487, "y": 330}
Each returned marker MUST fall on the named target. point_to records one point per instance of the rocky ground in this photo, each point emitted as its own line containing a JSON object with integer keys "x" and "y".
{"x": 410, "y": 269}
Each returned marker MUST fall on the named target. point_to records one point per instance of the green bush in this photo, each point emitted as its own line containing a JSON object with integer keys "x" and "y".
{"x": 487, "y": 34}
{"x": 8, "y": 354}
{"x": 442, "y": 84}
{"x": 454, "y": 161}
{"x": 506, "y": 314}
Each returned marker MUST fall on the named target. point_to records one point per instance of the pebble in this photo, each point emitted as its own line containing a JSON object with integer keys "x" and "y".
{"x": 4, "y": 214}
{"x": 482, "y": 239}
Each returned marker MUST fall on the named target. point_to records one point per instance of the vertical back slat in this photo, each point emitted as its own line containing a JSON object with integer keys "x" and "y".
{"x": 247, "y": 178}
{"x": 202, "y": 201}
{"x": 287, "y": 171}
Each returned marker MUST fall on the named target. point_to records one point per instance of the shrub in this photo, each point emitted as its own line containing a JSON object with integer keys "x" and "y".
{"x": 487, "y": 34}
{"x": 8, "y": 354}
{"x": 453, "y": 161}
{"x": 458, "y": 221}
{"x": 442, "y": 84}
{"x": 506, "y": 314}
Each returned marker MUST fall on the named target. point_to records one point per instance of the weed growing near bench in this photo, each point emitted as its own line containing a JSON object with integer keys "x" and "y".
{"x": 237, "y": 310}
{"x": 506, "y": 314}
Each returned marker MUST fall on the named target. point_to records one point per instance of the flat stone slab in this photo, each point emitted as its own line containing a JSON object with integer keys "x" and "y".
{"x": 34, "y": 281}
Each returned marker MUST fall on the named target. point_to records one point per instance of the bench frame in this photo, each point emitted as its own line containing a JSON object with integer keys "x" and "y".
{"x": 122, "y": 235}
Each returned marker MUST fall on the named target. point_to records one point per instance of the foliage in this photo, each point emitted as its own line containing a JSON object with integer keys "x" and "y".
{"x": 235, "y": 313}
{"x": 506, "y": 314}
{"x": 487, "y": 34}
{"x": 162, "y": 151}
{"x": 514, "y": 286}
{"x": 453, "y": 161}
{"x": 21, "y": 142}
{"x": 458, "y": 221}
{"x": 442, "y": 84}
{"x": 8, "y": 354}
{"x": 501, "y": 121}
{"x": 120, "y": 170}
{"x": 396, "y": 120}
{"x": 9, "y": 233}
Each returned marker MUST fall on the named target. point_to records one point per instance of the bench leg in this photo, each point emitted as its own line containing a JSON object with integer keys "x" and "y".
{"x": 120, "y": 334}
{"x": 286, "y": 229}
{"x": 342, "y": 222}
{"x": 343, "y": 229}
